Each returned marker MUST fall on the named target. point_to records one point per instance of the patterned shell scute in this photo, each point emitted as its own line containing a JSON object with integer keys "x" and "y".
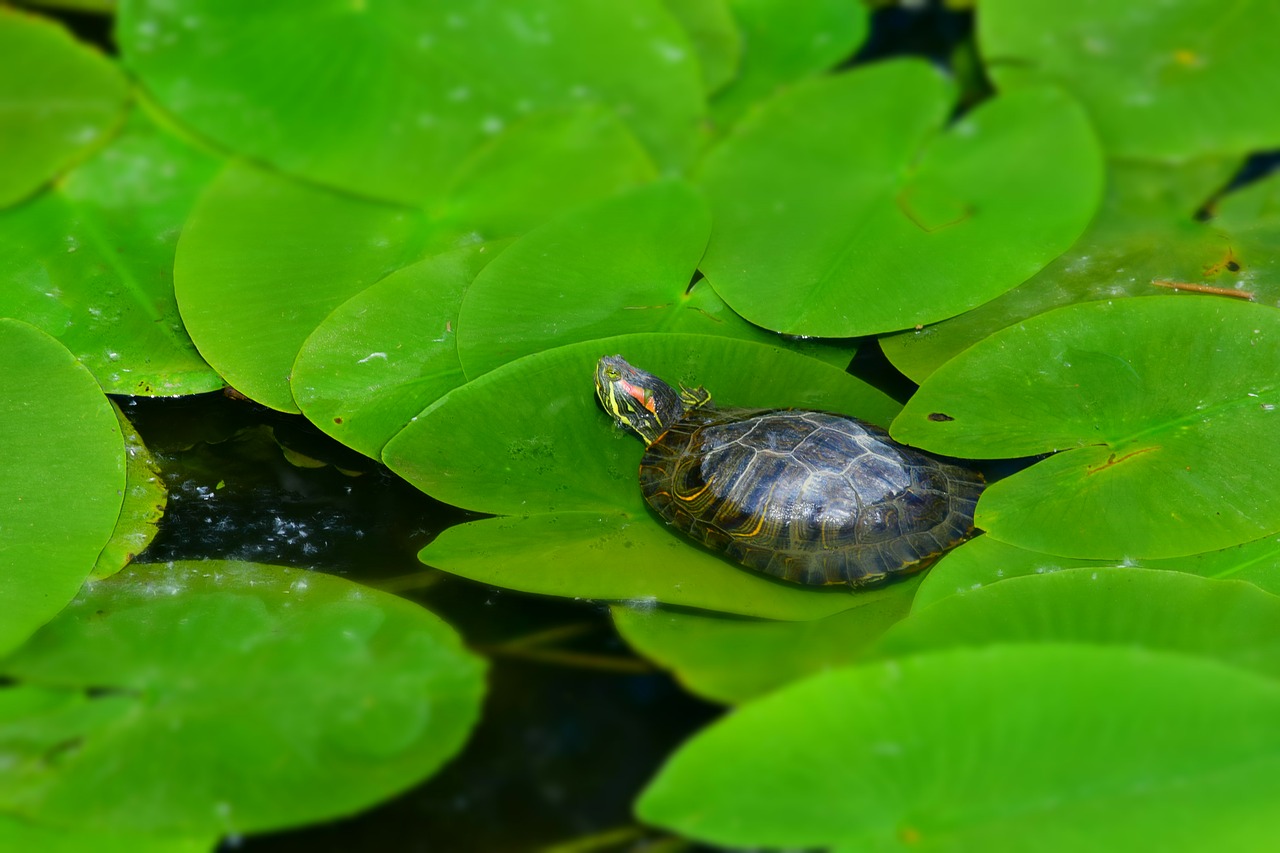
{"x": 809, "y": 497}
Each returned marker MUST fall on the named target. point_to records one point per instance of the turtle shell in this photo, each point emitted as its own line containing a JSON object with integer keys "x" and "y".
{"x": 808, "y": 497}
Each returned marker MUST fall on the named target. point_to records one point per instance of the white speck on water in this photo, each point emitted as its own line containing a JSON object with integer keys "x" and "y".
{"x": 426, "y": 120}
{"x": 579, "y": 91}
{"x": 455, "y": 21}
{"x": 1268, "y": 407}
{"x": 460, "y": 93}
{"x": 524, "y": 105}
{"x": 373, "y": 355}
{"x": 426, "y": 41}
{"x": 85, "y": 135}
{"x": 146, "y": 28}
{"x": 492, "y": 124}
{"x": 975, "y": 586}
{"x": 1139, "y": 98}
{"x": 1093, "y": 576}
{"x": 113, "y": 355}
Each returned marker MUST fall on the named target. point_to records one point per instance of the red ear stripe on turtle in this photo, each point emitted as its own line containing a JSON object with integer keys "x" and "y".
{"x": 639, "y": 394}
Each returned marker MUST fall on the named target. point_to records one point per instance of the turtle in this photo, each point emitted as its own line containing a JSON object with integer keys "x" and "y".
{"x": 810, "y": 497}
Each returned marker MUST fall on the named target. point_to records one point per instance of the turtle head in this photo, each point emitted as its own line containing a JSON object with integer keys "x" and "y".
{"x": 640, "y": 400}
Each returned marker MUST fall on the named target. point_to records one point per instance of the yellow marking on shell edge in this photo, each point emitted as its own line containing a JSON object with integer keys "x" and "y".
{"x": 699, "y": 493}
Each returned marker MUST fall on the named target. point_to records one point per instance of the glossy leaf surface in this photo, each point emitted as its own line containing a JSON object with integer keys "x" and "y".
{"x": 277, "y": 696}
{"x": 90, "y": 261}
{"x": 785, "y": 43}
{"x": 814, "y": 215}
{"x": 983, "y": 561}
{"x": 1046, "y": 747}
{"x": 450, "y": 76}
{"x": 389, "y": 351}
{"x": 1161, "y": 610}
{"x": 145, "y": 498}
{"x": 1174, "y": 80}
{"x": 1145, "y": 242}
{"x": 61, "y": 496}
{"x": 61, "y": 98}
{"x": 1162, "y": 410}
{"x": 732, "y": 660}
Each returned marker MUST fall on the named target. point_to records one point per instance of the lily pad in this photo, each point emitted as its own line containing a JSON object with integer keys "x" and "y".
{"x": 529, "y": 439}
{"x": 1232, "y": 621}
{"x": 448, "y": 77}
{"x": 90, "y": 261}
{"x": 1060, "y": 747}
{"x": 784, "y": 43}
{"x": 277, "y": 696}
{"x": 1173, "y": 81}
{"x": 66, "y": 478}
{"x": 145, "y": 498}
{"x": 731, "y": 660}
{"x": 61, "y": 99}
{"x": 21, "y": 835}
{"x": 983, "y": 561}
{"x": 714, "y": 35}
{"x": 1163, "y": 410}
{"x": 264, "y": 259}
{"x": 1145, "y": 242}
{"x": 814, "y": 214}
{"x": 389, "y": 351}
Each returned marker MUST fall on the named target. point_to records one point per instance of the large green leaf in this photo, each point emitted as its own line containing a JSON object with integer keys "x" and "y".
{"x": 784, "y": 43}
{"x": 229, "y": 697}
{"x": 731, "y": 660}
{"x": 1144, "y": 242}
{"x": 60, "y": 98}
{"x": 984, "y": 560}
{"x": 714, "y": 36}
{"x": 814, "y": 213}
{"x": 145, "y": 499}
{"x": 65, "y": 478}
{"x": 1174, "y": 80}
{"x": 20, "y": 835}
{"x": 389, "y": 351}
{"x": 390, "y": 98}
{"x": 1160, "y": 610}
{"x": 90, "y": 261}
{"x": 529, "y": 439}
{"x": 264, "y": 259}
{"x": 1163, "y": 410}
{"x": 1038, "y": 747}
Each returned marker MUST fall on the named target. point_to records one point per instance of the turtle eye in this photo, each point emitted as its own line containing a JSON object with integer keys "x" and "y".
{"x": 612, "y": 374}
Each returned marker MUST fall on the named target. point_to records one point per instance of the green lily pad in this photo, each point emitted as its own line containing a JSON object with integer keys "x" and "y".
{"x": 61, "y": 99}
{"x": 529, "y": 439}
{"x": 90, "y": 261}
{"x": 983, "y": 561}
{"x": 264, "y": 259}
{"x": 714, "y": 35}
{"x": 1174, "y": 81}
{"x": 620, "y": 266}
{"x": 145, "y": 498}
{"x": 422, "y": 86}
{"x": 1162, "y": 410}
{"x": 731, "y": 660}
{"x": 1144, "y": 242}
{"x": 18, "y": 834}
{"x": 389, "y": 351}
{"x": 277, "y": 696}
{"x": 784, "y": 43}
{"x": 814, "y": 214}
{"x": 66, "y": 478}
{"x": 1007, "y": 747}
{"x": 1230, "y": 620}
